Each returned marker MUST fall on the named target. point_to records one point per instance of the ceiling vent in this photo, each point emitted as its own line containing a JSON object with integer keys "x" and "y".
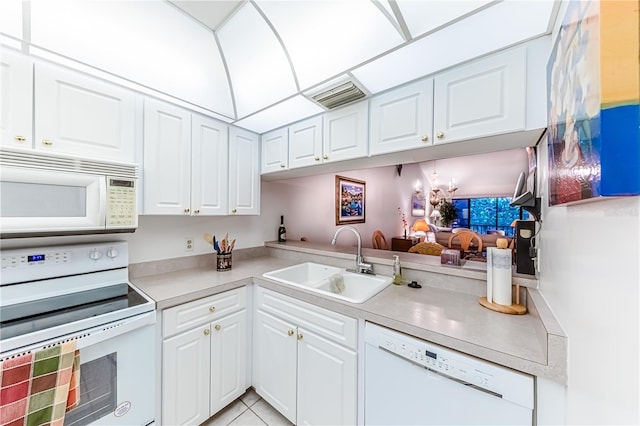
{"x": 339, "y": 95}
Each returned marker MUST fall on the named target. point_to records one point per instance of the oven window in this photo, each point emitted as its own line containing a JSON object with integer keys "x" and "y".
{"x": 98, "y": 391}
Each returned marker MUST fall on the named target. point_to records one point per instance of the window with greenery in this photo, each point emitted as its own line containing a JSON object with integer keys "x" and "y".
{"x": 484, "y": 215}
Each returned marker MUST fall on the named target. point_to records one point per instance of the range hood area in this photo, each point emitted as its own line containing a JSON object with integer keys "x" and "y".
{"x": 263, "y": 64}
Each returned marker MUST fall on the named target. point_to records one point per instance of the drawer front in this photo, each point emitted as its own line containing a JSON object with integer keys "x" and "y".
{"x": 329, "y": 324}
{"x": 189, "y": 315}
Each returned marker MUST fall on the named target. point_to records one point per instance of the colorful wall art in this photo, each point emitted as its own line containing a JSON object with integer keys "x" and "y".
{"x": 593, "y": 80}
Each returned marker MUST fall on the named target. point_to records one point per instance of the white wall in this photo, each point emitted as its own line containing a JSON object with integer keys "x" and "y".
{"x": 590, "y": 276}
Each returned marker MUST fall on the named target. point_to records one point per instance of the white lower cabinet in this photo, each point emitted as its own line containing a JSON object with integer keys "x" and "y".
{"x": 305, "y": 360}
{"x": 204, "y": 366}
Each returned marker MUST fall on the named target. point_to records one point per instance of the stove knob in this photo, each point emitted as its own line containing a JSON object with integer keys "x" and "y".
{"x": 95, "y": 254}
{"x": 112, "y": 253}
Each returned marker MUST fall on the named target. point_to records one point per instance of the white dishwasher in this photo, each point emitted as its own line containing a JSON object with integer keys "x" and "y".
{"x": 413, "y": 382}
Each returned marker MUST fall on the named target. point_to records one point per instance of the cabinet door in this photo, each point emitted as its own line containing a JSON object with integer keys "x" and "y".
{"x": 345, "y": 133}
{"x": 402, "y": 119}
{"x": 274, "y": 361}
{"x": 167, "y": 158}
{"x": 209, "y": 167}
{"x": 81, "y": 115}
{"x": 244, "y": 172}
{"x": 185, "y": 377}
{"x": 486, "y": 97}
{"x": 305, "y": 143}
{"x": 275, "y": 155}
{"x": 228, "y": 360}
{"x": 327, "y": 384}
{"x": 16, "y": 88}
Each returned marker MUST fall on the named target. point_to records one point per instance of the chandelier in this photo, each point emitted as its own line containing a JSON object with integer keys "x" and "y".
{"x": 436, "y": 196}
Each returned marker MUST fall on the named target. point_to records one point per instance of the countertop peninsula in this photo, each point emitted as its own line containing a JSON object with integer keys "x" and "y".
{"x": 444, "y": 311}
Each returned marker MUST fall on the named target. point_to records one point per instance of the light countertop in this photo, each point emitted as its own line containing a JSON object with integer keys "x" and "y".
{"x": 532, "y": 343}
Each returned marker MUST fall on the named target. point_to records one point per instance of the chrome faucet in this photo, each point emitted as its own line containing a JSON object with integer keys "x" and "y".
{"x": 361, "y": 267}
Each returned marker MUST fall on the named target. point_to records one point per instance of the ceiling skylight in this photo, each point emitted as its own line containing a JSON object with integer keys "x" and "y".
{"x": 325, "y": 38}
{"x": 258, "y": 66}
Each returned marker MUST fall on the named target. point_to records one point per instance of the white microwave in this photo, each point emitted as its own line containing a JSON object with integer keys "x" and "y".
{"x": 45, "y": 195}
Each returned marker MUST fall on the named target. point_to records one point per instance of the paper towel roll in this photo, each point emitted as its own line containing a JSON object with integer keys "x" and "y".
{"x": 499, "y": 276}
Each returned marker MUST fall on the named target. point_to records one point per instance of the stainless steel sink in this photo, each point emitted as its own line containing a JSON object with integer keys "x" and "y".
{"x": 358, "y": 288}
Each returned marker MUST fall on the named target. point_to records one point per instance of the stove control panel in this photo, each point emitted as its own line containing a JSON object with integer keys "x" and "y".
{"x": 27, "y": 264}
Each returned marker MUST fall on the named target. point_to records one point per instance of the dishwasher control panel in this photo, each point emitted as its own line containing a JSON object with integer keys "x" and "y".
{"x": 437, "y": 359}
{"x": 451, "y": 364}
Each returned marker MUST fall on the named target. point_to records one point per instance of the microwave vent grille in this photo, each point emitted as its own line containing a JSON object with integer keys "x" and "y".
{"x": 66, "y": 163}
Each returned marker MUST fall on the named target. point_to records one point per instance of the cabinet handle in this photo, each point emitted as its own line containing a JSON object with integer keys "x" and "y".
{"x": 425, "y": 138}
{"x": 196, "y": 211}
{"x": 217, "y": 327}
{"x": 300, "y": 336}
{"x": 206, "y": 331}
{"x": 326, "y": 157}
{"x": 317, "y": 158}
{"x": 47, "y": 142}
{"x": 440, "y": 135}
{"x": 212, "y": 309}
{"x": 186, "y": 210}
{"x": 282, "y": 166}
{"x": 19, "y": 138}
{"x": 290, "y": 332}
{"x": 234, "y": 211}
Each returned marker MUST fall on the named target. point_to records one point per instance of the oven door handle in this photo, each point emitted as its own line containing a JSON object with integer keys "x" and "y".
{"x": 91, "y": 336}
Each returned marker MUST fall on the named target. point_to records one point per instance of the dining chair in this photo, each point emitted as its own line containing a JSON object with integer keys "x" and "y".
{"x": 467, "y": 238}
{"x": 379, "y": 241}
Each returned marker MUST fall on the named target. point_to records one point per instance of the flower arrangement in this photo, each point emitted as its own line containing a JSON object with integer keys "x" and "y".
{"x": 404, "y": 221}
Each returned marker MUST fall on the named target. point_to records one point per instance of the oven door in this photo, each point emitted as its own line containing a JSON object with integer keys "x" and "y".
{"x": 117, "y": 378}
{"x": 46, "y": 201}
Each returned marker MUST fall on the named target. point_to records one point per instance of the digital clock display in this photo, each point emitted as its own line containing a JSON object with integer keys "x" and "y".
{"x": 35, "y": 258}
{"x": 431, "y": 354}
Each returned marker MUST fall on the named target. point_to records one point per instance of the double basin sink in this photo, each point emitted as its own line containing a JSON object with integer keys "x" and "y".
{"x": 331, "y": 281}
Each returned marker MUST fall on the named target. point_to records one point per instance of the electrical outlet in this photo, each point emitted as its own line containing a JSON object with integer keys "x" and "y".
{"x": 188, "y": 244}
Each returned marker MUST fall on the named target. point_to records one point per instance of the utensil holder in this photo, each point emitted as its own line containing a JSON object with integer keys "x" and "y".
{"x": 223, "y": 262}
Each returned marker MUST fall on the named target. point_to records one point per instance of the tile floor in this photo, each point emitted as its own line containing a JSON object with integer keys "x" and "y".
{"x": 248, "y": 410}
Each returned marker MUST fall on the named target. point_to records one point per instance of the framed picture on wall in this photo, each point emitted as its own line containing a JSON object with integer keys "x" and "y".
{"x": 350, "y": 200}
{"x": 417, "y": 206}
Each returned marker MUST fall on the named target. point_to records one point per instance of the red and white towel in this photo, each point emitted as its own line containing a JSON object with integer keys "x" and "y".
{"x": 38, "y": 388}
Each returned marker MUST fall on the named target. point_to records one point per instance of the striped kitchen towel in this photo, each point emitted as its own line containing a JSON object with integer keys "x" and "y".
{"x": 38, "y": 388}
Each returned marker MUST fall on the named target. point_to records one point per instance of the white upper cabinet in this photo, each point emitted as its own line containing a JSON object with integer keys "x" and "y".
{"x": 16, "y": 89}
{"x": 402, "y": 118}
{"x": 244, "y": 172}
{"x": 275, "y": 150}
{"x": 81, "y": 115}
{"x": 209, "y": 166}
{"x": 345, "y": 133}
{"x": 185, "y": 162}
{"x": 167, "y": 158}
{"x": 484, "y": 98}
{"x": 305, "y": 142}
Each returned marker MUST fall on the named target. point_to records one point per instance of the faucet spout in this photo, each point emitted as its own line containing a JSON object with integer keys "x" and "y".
{"x": 361, "y": 267}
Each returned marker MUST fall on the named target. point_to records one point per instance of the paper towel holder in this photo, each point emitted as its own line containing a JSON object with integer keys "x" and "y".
{"x": 513, "y": 309}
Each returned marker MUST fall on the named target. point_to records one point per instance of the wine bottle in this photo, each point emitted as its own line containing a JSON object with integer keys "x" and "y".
{"x": 282, "y": 231}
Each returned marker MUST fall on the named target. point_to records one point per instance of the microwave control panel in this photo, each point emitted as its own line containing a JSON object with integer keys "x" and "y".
{"x": 121, "y": 203}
